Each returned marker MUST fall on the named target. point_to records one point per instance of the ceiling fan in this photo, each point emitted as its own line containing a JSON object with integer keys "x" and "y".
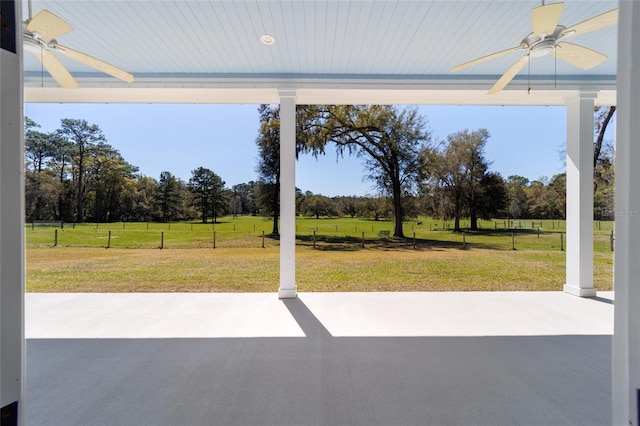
{"x": 545, "y": 39}
{"x": 39, "y": 36}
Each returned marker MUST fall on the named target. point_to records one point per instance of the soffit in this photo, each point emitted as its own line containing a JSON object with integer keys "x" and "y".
{"x": 340, "y": 51}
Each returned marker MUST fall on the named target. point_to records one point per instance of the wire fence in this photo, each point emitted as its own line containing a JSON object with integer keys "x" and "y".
{"x": 497, "y": 234}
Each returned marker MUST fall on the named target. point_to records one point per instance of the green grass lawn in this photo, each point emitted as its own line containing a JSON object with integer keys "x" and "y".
{"x": 431, "y": 258}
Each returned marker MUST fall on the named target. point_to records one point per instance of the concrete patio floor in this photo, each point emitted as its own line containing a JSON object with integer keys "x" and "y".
{"x": 476, "y": 358}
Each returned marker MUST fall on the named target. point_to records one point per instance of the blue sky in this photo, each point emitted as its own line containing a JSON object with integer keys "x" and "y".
{"x": 179, "y": 138}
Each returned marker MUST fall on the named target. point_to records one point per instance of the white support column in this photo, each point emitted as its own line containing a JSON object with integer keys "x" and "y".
{"x": 12, "y": 346}
{"x": 626, "y": 335}
{"x": 287, "y": 194}
{"x": 580, "y": 194}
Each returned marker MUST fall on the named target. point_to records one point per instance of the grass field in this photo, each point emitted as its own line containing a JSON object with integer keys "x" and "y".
{"x": 332, "y": 255}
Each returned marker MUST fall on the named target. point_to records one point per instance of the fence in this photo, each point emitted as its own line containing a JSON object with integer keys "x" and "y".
{"x": 538, "y": 235}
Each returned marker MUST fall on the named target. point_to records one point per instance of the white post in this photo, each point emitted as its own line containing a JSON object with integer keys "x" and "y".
{"x": 626, "y": 336}
{"x": 287, "y": 194}
{"x": 579, "y": 257}
{"x": 12, "y": 346}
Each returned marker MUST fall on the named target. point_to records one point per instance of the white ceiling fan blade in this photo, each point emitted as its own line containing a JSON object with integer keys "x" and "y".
{"x": 48, "y": 25}
{"x": 545, "y": 18}
{"x": 486, "y": 58}
{"x": 93, "y": 62}
{"x": 579, "y": 56}
{"x": 597, "y": 22}
{"x": 58, "y": 71}
{"x": 508, "y": 76}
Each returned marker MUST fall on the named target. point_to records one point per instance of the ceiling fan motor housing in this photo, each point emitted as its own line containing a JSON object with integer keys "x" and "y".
{"x": 542, "y": 45}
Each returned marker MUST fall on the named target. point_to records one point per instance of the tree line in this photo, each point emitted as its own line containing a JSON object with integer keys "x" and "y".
{"x": 416, "y": 175}
{"x": 74, "y": 175}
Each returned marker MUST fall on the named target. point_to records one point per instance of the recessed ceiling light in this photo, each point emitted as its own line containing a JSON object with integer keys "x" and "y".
{"x": 267, "y": 39}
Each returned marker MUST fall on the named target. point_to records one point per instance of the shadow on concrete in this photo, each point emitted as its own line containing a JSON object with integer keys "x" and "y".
{"x": 307, "y": 321}
{"x": 602, "y": 299}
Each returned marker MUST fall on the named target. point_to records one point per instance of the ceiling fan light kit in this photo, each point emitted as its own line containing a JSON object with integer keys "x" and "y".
{"x": 39, "y": 38}
{"x": 545, "y": 40}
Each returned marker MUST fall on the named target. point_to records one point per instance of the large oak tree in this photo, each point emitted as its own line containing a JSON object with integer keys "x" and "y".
{"x": 389, "y": 139}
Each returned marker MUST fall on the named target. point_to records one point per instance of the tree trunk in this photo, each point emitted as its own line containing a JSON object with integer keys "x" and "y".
{"x": 38, "y": 208}
{"x": 80, "y": 200}
{"x": 397, "y": 208}
{"x": 276, "y": 206}
{"x": 61, "y": 207}
{"x": 97, "y": 206}
{"x": 598, "y": 147}
{"x": 275, "y": 230}
{"x": 456, "y": 222}
{"x": 165, "y": 209}
{"x": 474, "y": 220}
{"x": 204, "y": 209}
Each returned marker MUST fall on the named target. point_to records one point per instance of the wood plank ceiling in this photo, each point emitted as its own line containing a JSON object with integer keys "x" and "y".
{"x": 174, "y": 43}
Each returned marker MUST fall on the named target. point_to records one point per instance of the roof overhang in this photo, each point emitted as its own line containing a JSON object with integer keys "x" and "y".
{"x": 321, "y": 90}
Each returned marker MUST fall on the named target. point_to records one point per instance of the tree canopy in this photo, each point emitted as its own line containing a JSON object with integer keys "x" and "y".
{"x": 207, "y": 188}
{"x": 460, "y": 178}
{"x": 388, "y": 138}
{"x": 73, "y": 173}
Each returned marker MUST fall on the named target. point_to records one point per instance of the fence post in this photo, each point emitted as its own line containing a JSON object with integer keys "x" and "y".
{"x": 214, "y": 239}
{"x": 538, "y": 232}
{"x": 262, "y": 237}
{"x": 414, "y": 239}
{"x": 55, "y": 237}
{"x": 513, "y": 241}
{"x": 314, "y": 239}
{"x": 561, "y": 242}
{"x": 464, "y": 242}
{"x": 611, "y": 240}
{"x": 109, "y": 240}
{"x": 362, "y": 239}
{"x": 162, "y": 240}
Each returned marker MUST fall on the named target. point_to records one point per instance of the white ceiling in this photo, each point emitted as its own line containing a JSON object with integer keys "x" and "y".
{"x": 333, "y": 51}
